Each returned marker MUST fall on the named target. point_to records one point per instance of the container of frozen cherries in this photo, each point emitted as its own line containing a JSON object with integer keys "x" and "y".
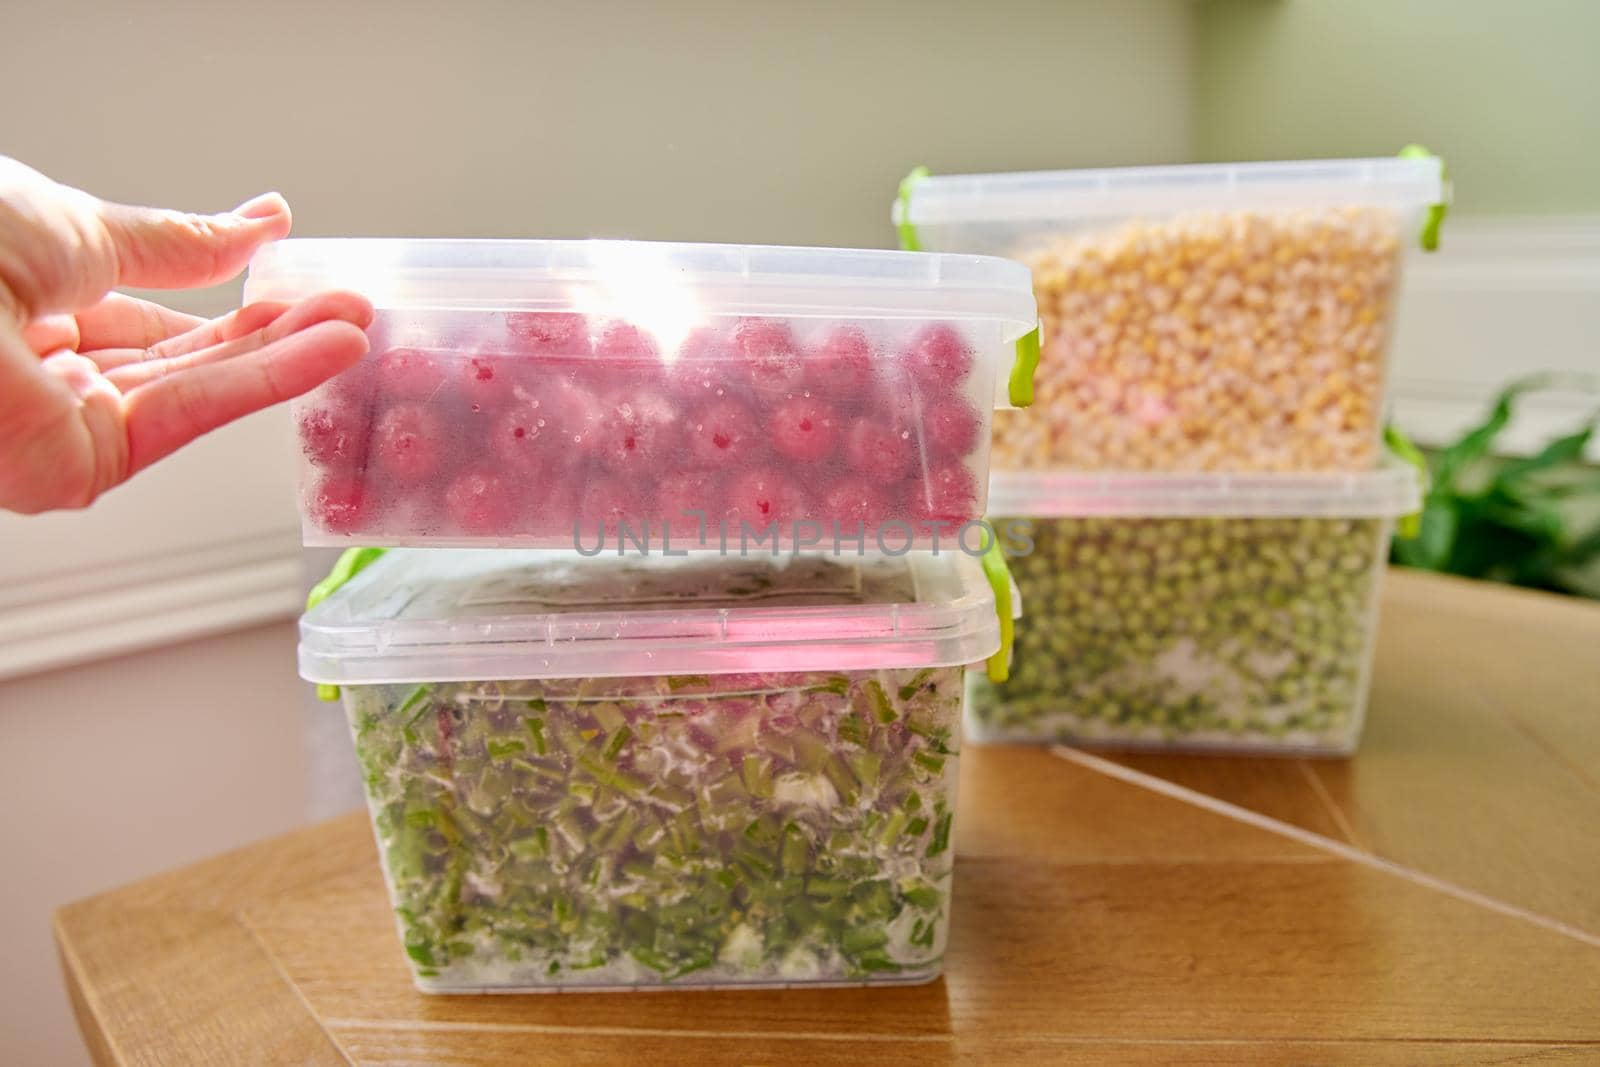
{"x": 651, "y": 771}
{"x": 558, "y": 393}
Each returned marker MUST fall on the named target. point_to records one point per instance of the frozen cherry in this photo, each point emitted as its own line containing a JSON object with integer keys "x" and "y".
{"x": 883, "y": 449}
{"x": 575, "y": 411}
{"x": 487, "y": 382}
{"x": 855, "y": 501}
{"x": 724, "y": 433}
{"x": 687, "y": 499}
{"x": 624, "y": 340}
{"x": 762, "y": 497}
{"x": 341, "y": 504}
{"x": 842, "y": 365}
{"x": 407, "y": 441}
{"x": 771, "y": 360}
{"x": 527, "y": 438}
{"x": 700, "y": 371}
{"x": 552, "y": 332}
{"x": 938, "y": 358}
{"x": 609, "y": 502}
{"x": 639, "y": 434}
{"x": 356, "y": 386}
{"x": 553, "y": 506}
{"x": 803, "y": 429}
{"x": 480, "y": 502}
{"x": 950, "y": 426}
{"x": 410, "y": 373}
{"x": 948, "y": 493}
{"x": 706, "y": 342}
{"x": 332, "y": 433}
{"x": 626, "y": 358}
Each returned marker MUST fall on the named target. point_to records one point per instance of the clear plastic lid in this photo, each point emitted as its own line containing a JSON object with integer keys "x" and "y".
{"x": 648, "y": 282}
{"x": 1389, "y": 492}
{"x": 430, "y": 615}
{"x": 1123, "y": 191}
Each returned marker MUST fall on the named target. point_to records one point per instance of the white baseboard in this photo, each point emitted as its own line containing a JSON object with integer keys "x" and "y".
{"x": 203, "y": 542}
{"x": 1502, "y": 298}
{"x": 125, "y": 607}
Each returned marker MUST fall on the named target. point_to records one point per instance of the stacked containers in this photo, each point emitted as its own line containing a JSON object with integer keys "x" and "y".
{"x": 1220, "y": 320}
{"x": 601, "y": 772}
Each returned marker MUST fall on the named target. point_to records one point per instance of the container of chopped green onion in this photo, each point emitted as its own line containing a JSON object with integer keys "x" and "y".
{"x": 641, "y": 772}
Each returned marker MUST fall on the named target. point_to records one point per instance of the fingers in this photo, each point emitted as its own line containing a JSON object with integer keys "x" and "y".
{"x": 119, "y": 321}
{"x": 120, "y": 328}
{"x": 207, "y": 332}
{"x": 173, "y": 410}
{"x": 161, "y": 249}
{"x": 247, "y": 330}
{"x": 52, "y": 333}
{"x": 241, "y": 322}
{"x": 270, "y": 319}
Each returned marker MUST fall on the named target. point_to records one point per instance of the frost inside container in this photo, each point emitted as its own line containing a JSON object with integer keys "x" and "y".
{"x": 1209, "y": 317}
{"x": 561, "y": 393}
{"x": 604, "y": 773}
{"x": 1192, "y": 612}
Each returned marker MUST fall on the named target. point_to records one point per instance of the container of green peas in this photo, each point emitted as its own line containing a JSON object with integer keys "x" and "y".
{"x": 1211, "y": 613}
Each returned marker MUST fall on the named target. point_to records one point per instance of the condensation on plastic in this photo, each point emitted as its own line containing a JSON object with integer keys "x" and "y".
{"x": 430, "y": 616}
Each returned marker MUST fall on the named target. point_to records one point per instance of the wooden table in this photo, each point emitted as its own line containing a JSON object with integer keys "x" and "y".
{"x": 1434, "y": 901}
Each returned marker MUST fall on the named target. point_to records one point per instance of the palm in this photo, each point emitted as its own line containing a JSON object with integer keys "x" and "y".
{"x": 96, "y": 387}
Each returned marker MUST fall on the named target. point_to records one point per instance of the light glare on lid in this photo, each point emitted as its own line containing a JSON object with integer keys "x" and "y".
{"x": 636, "y": 283}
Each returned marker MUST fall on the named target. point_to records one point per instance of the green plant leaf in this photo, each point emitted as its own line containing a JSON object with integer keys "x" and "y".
{"x": 1562, "y": 450}
{"x": 1475, "y": 444}
{"x": 1409, "y": 526}
{"x": 1436, "y": 535}
{"x": 1514, "y": 523}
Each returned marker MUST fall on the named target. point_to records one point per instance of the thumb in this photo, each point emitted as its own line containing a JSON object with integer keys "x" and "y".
{"x": 160, "y": 249}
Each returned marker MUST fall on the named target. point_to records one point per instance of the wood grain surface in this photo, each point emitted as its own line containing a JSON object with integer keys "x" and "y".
{"x": 1481, "y": 760}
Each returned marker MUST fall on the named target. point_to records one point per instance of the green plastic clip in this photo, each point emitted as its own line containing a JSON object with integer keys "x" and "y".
{"x": 1019, "y": 386}
{"x": 1436, "y": 212}
{"x": 351, "y": 563}
{"x": 1408, "y": 526}
{"x": 908, "y": 233}
{"x": 999, "y": 575}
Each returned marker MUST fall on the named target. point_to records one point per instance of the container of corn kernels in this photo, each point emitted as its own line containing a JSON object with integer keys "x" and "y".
{"x": 1207, "y": 612}
{"x": 1196, "y": 318}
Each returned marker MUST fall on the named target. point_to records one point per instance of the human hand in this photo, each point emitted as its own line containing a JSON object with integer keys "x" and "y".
{"x": 94, "y": 385}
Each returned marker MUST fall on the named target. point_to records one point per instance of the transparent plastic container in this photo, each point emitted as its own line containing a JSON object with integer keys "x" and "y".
{"x": 550, "y": 394}
{"x": 644, "y": 772}
{"x": 1231, "y": 613}
{"x": 1226, "y": 317}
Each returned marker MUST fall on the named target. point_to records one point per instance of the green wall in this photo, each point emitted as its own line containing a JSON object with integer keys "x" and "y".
{"x": 1507, "y": 91}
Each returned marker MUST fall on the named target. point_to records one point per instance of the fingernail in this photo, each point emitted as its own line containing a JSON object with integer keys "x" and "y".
{"x": 264, "y": 206}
